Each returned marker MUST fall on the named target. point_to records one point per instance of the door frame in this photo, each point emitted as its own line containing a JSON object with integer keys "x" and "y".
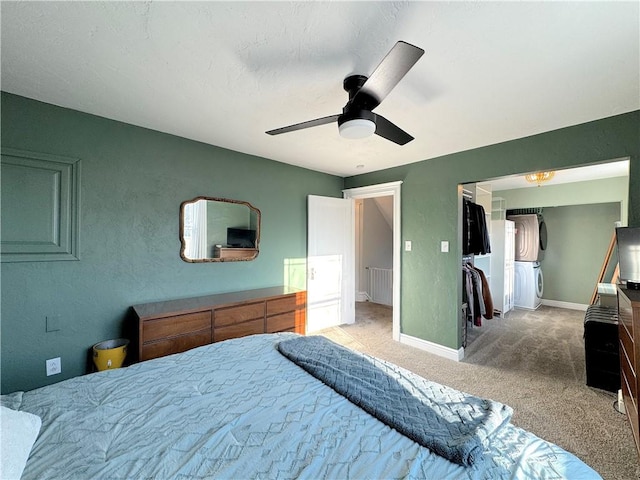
{"x": 385, "y": 190}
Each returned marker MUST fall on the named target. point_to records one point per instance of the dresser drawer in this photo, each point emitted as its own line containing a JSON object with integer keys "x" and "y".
{"x": 628, "y": 373}
{"x": 625, "y": 314}
{"x": 163, "y": 328}
{"x": 281, "y": 305}
{"x": 632, "y": 411}
{"x": 243, "y": 329}
{"x": 281, "y": 323}
{"x": 627, "y": 345}
{"x": 175, "y": 345}
{"x": 232, "y": 315}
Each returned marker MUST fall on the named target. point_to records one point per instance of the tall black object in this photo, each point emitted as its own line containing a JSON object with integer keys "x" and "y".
{"x": 602, "y": 355}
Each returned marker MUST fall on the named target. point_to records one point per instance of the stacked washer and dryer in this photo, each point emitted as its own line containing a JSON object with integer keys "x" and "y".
{"x": 530, "y": 244}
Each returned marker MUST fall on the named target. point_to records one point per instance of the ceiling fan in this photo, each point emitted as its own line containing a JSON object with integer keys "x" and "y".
{"x": 366, "y": 93}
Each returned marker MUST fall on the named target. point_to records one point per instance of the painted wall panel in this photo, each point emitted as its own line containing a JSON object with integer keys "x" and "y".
{"x": 39, "y": 206}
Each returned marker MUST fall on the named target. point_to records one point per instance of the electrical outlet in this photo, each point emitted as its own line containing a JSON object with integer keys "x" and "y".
{"x": 54, "y": 366}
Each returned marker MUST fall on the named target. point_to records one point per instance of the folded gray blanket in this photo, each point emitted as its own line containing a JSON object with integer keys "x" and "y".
{"x": 448, "y": 422}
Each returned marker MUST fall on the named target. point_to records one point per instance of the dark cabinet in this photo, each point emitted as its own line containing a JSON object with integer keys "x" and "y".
{"x": 602, "y": 359}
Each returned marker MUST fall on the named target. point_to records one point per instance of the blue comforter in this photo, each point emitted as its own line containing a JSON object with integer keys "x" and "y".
{"x": 240, "y": 409}
{"x": 448, "y": 422}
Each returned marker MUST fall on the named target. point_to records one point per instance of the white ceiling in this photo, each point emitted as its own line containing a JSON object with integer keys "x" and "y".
{"x": 619, "y": 168}
{"x": 223, "y": 73}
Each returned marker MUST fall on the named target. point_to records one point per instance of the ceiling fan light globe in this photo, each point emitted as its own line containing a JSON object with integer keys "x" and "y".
{"x": 357, "y": 128}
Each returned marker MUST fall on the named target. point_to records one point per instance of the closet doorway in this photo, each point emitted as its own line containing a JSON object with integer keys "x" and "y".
{"x": 377, "y": 247}
{"x": 581, "y": 207}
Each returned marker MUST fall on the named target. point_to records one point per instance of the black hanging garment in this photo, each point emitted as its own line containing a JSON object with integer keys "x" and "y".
{"x": 475, "y": 236}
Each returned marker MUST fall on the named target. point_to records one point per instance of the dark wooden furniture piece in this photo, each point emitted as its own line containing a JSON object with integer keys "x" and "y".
{"x": 227, "y": 253}
{"x": 629, "y": 326}
{"x": 174, "y": 326}
{"x": 601, "y": 351}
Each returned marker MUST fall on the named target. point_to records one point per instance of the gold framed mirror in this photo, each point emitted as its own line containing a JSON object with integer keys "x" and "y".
{"x": 218, "y": 230}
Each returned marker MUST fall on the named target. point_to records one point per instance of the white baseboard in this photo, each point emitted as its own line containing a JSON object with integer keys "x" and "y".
{"x": 569, "y": 305}
{"x": 436, "y": 349}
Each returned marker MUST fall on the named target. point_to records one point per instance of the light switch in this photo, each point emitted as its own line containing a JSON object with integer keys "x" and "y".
{"x": 444, "y": 246}
{"x": 407, "y": 245}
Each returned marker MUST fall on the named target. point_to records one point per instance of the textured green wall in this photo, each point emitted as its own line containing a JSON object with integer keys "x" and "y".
{"x": 133, "y": 181}
{"x": 578, "y": 239}
{"x": 431, "y": 292}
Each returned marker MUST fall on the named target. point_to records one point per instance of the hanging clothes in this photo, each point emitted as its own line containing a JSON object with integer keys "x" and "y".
{"x": 476, "y": 294}
{"x": 474, "y": 299}
{"x": 486, "y": 295}
{"x": 475, "y": 235}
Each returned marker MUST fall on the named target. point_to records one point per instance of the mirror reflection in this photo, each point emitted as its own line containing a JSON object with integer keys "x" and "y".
{"x": 218, "y": 230}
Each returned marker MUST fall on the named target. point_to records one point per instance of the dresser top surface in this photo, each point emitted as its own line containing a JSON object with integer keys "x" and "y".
{"x": 192, "y": 304}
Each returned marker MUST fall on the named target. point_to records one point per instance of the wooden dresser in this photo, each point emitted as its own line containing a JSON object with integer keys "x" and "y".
{"x": 174, "y": 326}
{"x": 629, "y": 326}
{"x": 226, "y": 253}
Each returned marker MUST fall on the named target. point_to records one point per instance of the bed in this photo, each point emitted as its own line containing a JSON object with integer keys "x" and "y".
{"x": 242, "y": 409}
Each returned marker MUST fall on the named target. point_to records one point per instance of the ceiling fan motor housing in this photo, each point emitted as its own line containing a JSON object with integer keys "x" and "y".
{"x": 360, "y": 109}
{"x": 353, "y": 84}
{"x": 355, "y": 114}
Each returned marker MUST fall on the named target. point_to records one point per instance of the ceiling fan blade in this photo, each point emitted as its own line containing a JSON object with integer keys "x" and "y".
{"x": 386, "y": 129}
{"x": 393, "y": 67}
{"x": 303, "y": 125}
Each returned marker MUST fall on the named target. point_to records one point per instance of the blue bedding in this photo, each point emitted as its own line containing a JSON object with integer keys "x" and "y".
{"x": 448, "y": 422}
{"x": 239, "y": 409}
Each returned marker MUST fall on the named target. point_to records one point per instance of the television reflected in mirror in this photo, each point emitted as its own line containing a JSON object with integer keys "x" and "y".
{"x": 218, "y": 230}
{"x": 241, "y": 238}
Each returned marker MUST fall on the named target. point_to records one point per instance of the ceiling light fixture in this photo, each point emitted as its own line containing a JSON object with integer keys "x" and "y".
{"x": 357, "y": 128}
{"x": 356, "y": 123}
{"x": 539, "y": 177}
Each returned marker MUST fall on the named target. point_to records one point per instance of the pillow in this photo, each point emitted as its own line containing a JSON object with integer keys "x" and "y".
{"x": 18, "y": 433}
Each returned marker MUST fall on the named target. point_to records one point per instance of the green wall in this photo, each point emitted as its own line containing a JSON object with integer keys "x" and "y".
{"x": 578, "y": 240}
{"x": 431, "y": 204}
{"x": 132, "y": 183}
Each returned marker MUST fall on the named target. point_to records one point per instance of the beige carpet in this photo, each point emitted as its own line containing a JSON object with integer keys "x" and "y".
{"x": 532, "y": 361}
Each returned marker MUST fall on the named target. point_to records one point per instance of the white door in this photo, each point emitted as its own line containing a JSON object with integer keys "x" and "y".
{"x": 330, "y": 262}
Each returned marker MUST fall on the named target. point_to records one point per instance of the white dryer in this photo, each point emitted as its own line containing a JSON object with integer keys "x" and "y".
{"x": 528, "y": 285}
{"x": 531, "y": 237}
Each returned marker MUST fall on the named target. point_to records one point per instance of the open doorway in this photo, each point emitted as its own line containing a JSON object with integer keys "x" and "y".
{"x": 377, "y": 252}
{"x": 374, "y": 266}
{"x": 580, "y": 214}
